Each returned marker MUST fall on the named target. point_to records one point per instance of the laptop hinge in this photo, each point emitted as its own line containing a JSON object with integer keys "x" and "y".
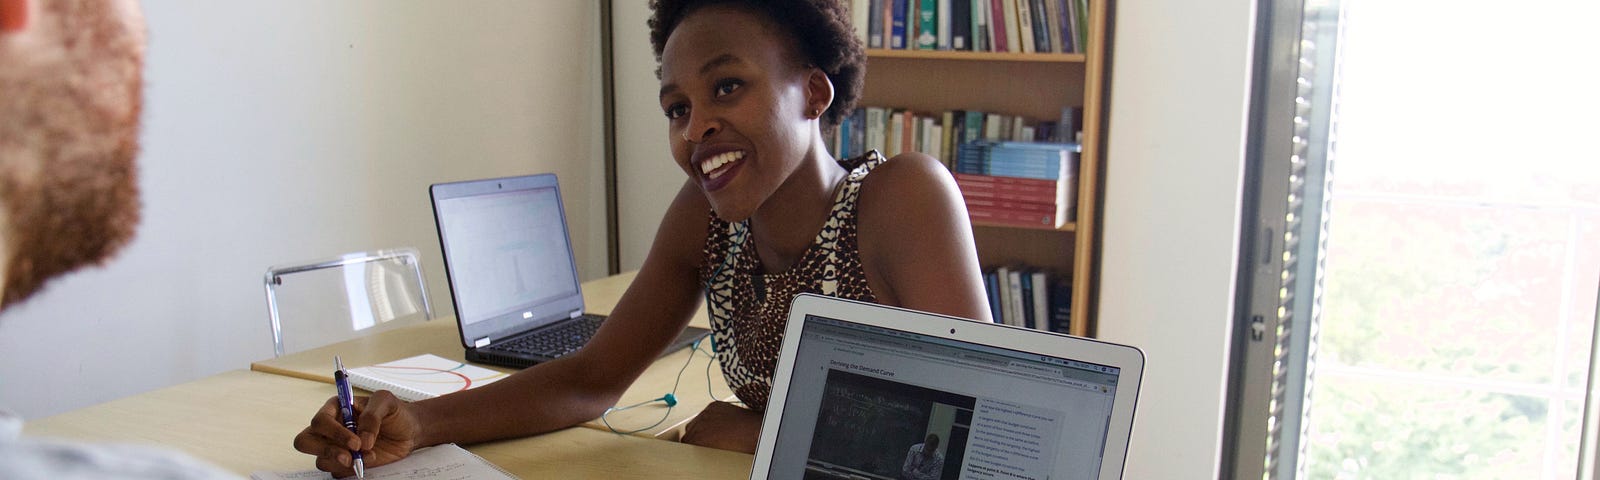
{"x": 480, "y": 343}
{"x": 575, "y": 313}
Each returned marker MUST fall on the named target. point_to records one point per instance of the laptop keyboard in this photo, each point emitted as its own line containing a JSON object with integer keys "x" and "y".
{"x": 556, "y": 341}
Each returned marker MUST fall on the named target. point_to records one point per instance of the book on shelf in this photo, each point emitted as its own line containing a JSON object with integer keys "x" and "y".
{"x": 893, "y": 131}
{"x": 1019, "y": 305}
{"x": 1082, "y": 30}
{"x": 1021, "y": 26}
{"x": 961, "y": 25}
{"x": 874, "y": 26}
{"x": 897, "y": 134}
{"x": 1008, "y": 313}
{"x": 860, "y": 19}
{"x": 1040, "y": 160}
{"x": 1060, "y": 306}
{"x": 839, "y": 143}
{"x": 876, "y": 136}
{"x": 1040, "y": 285}
{"x": 982, "y": 38}
{"x": 927, "y": 24}
{"x": 897, "y": 23}
{"x": 422, "y": 377}
{"x": 1052, "y": 25}
{"x": 1007, "y": 170}
{"x": 943, "y": 24}
{"x": 991, "y": 284}
{"x": 1029, "y": 297}
{"x": 1014, "y": 41}
{"x": 1024, "y": 184}
{"x": 1064, "y": 27}
{"x": 1025, "y": 25}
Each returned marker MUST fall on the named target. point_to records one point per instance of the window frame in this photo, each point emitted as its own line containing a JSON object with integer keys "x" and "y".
{"x": 1283, "y": 221}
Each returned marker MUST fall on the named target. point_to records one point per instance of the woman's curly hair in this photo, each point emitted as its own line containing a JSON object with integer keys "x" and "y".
{"x": 822, "y": 28}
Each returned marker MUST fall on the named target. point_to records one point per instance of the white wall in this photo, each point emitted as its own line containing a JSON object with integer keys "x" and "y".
{"x": 1173, "y": 179}
{"x": 281, "y": 131}
{"x": 647, "y": 177}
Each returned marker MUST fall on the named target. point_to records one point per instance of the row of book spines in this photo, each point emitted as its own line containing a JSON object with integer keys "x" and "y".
{"x": 893, "y": 131}
{"x": 1028, "y": 297}
{"x": 1026, "y": 26}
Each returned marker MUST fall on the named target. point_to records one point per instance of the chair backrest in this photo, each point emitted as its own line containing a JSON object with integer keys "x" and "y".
{"x": 316, "y": 303}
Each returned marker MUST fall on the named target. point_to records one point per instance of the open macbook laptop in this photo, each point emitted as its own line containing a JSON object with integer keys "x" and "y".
{"x": 867, "y": 391}
{"x": 513, "y": 277}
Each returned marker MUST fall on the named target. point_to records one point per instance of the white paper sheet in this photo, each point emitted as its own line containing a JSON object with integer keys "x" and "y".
{"x": 440, "y": 462}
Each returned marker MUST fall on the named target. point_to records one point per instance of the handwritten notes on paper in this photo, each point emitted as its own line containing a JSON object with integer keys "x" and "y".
{"x": 441, "y": 462}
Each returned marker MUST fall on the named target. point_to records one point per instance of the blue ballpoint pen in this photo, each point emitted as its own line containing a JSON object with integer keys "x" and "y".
{"x": 347, "y": 410}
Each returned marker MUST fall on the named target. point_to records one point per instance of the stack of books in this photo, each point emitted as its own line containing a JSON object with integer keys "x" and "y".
{"x": 1028, "y": 297}
{"x": 1021, "y": 184}
{"x": 892, "y": 131}
{"x": 1026, "y": 26}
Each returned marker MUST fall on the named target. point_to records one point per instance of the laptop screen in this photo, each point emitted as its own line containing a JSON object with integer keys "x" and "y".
{"x": 871, "y": 402}
{"x": 507, "y": 255}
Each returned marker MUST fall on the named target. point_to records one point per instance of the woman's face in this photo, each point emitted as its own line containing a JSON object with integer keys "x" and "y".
{"x": 734, "y": 93}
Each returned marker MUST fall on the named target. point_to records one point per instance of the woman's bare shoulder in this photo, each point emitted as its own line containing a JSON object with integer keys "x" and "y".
{"x": 903, "y": 191}
{"x": 916, "y": 240}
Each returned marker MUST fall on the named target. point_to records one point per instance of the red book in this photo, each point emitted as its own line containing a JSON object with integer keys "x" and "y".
{"x": 1013, "y": 218}
{"x": 994, "y": 187}
{"x": 1010, "y": 205}
{"x": 908, "y": 143}
{"x": 997, "y": 23}
{"x": 1023, "y": 190}
{"x": 993, "y": 196}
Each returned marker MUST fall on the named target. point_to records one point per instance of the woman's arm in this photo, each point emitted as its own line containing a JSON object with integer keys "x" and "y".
{"x": 916, "y": 240}
{"x": 551, "y": 395}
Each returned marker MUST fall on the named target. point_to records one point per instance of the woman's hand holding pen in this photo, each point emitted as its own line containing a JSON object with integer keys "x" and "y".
{"x": 389, "y": 431}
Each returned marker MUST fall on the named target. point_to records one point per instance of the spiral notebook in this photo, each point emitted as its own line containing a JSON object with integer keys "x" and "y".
{"x": 422, "y": 377}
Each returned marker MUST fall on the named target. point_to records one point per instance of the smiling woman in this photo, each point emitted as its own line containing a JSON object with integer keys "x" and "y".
{"x": 764, "y": 214}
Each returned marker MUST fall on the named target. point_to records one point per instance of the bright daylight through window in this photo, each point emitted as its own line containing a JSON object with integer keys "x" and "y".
{"x": 1437, "y": 317}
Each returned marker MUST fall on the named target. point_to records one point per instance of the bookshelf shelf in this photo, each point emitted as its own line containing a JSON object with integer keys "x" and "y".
{"x": 1036, "y": 86}
{"x": 978, "y": 56}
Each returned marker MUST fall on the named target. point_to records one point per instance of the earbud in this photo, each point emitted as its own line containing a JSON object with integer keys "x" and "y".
{"x": 672, "y": 400}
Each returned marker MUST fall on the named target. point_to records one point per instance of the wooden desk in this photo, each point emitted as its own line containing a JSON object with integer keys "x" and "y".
{"x": 441, "y": 337}
{"x": 245, "y": 421}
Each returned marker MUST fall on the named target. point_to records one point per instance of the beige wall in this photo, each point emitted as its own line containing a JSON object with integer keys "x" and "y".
{"x": 647, "y": 178}
{"x": 1173, "y": 179}
{"x": 282, "y": 131}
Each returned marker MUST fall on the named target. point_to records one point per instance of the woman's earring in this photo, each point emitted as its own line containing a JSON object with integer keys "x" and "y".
{"x": 816, "y": 112}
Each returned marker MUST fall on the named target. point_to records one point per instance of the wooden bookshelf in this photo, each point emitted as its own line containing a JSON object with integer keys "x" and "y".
{"x": 1036, "y": 86}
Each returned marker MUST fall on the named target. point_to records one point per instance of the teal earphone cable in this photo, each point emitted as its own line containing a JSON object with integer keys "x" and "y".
{"x": 671, "y": 399}
{"x": 741, "y": 231}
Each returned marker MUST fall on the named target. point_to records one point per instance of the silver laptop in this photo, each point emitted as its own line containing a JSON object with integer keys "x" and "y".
{"x": 513, "y": 277}
{"x": 867, "y": 391}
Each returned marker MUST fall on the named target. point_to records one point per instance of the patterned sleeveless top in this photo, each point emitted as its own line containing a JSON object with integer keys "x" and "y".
{"x": 749, "y": 308}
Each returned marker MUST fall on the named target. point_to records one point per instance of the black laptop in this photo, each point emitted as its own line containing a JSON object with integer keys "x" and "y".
{"x": 513, "y": 278}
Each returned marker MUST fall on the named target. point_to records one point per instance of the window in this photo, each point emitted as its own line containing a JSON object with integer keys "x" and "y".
{"x": 1418, "y": 293}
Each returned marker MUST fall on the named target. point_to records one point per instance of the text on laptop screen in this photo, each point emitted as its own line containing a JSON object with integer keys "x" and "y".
{"x": 507, "y": 251}
{"x": 864, "y": 402}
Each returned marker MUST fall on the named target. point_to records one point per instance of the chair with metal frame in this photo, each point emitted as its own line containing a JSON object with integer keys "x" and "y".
{"x": 316, "y": 303}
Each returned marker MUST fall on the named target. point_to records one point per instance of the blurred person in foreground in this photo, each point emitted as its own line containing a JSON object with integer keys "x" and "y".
{"x": 70, "y": 92}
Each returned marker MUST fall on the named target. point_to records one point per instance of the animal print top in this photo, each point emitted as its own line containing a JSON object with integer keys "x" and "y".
{"x": 749, "y": 308}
